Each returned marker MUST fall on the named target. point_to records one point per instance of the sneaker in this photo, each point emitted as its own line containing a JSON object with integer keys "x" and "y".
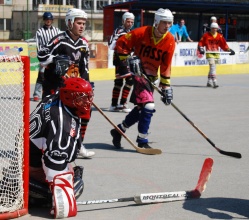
{"x": 36, "y": 99}
{"x": 116, "y": 138}
{"x": 113, "y": 109}
{"x": 215, "y": 84}
{"x": 209, "y": 84}
{"x": 84, "y": 153}
{"x": 144, "y": 145}
{"x": 124, "y": 108}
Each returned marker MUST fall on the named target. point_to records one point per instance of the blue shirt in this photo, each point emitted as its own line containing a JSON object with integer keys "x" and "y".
{"x": 182, "y": 31}
{"x": 174, "y": 30}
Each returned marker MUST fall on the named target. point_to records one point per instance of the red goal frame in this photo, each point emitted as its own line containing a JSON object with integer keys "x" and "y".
{"x": 26, "y": 110}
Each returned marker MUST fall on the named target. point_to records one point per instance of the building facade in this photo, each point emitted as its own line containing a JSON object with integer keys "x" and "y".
{"x": 19, "y": 19}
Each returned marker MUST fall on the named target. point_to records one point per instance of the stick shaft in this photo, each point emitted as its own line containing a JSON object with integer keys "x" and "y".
{"x": 89, "y": 202}
{"x": 116, "y": 127}
{"x": 148, "y": 198}
{"x": 149, "y": 151}
{"x": 231, "y": 154}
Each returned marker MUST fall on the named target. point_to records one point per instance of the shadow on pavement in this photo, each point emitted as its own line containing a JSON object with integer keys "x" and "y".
{"x": 219, "y": 208}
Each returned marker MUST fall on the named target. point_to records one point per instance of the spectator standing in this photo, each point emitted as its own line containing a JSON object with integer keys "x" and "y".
{"x": 212, "y": 41}
{"x": 43, "y": 36}
{"x": 119, "y": 85}
{"x": 153, "y": 48}
{"x": 182, "y": 31}
{"x": 67, "y": 54}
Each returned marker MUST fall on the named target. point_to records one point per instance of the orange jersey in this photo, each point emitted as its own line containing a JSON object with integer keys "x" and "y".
{"x": 152, "y": 53}
{"x": 213, "y": 42}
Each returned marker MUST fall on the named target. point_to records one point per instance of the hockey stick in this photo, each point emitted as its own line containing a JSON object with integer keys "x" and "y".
{"x": 226, "y": 52}
{"x": 222, "y": 52}
{"x": 165, "y": 196}
{"x": 227, "y": 153}
{"x": 150, "y": 151}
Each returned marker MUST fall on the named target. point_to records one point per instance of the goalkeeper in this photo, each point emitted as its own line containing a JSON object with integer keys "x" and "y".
{"x": 153, "y": 47}
{"x": 55, "y": 141}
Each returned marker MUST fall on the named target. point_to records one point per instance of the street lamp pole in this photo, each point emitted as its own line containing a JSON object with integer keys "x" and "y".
{"x": 27, "y": 22}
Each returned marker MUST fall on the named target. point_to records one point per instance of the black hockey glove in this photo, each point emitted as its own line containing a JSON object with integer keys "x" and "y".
{"x": 231, "y": 52}
{"x": 61, "y": 64}
{"x": 167, "y": 96}
{"x": 201, "y": 50}
{"x": 135, "y": 66}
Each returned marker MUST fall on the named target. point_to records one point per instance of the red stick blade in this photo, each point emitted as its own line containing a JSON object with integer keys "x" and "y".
{"x": 204, "y": 176}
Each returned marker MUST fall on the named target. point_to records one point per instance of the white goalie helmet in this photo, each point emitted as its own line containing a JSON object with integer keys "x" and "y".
{"x": 127, "y": 15}
{"x": 214, "y": 25}
{"x": 74, "y": 13}
{"x": 163, "y": 15}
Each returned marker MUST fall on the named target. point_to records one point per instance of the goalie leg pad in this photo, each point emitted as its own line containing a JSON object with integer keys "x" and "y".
{"x": 63, "y": 195}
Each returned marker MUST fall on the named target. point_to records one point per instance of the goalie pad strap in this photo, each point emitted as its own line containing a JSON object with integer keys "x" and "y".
{"x": 63, "y": 194}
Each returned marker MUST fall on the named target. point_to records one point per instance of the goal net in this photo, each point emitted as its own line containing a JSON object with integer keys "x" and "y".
{"x": 14, "y": 130}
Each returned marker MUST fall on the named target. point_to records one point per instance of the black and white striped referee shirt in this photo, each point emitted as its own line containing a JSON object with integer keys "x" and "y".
{"x": 44, "y": 34}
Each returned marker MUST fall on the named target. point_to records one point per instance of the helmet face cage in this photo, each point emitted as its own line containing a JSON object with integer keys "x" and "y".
{"x": 82, "y": 100}
{"x": 74, "y": 13}
{"x": 47, "y": 16}
{"x": 78, "y": 95}
{"x": 163, "y": 15}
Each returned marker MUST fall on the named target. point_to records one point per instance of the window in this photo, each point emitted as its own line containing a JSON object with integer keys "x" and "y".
{"x": 5, "y": 24}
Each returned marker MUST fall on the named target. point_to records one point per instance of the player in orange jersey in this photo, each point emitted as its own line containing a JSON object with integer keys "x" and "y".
{"x": 213, "y": 41}
{"x": 153, "y": 48}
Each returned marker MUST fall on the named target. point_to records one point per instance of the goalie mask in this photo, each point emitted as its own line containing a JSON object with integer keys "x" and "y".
{"x": 77, "y": 94}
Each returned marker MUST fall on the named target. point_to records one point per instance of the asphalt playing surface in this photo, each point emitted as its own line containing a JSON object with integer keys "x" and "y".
{"x": 221, "y": 114}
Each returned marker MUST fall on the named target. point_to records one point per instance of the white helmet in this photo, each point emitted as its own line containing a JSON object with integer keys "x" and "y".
{"x": 213, "y": 18}
{"x": 74, "y": 13}
{"x": 214, "y": 25}
{"x": 127, "y": 15}
{"x": 163, "y": 15}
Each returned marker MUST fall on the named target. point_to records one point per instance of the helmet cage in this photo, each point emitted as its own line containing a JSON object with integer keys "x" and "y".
{"x": 82, "y": 100}
{"x": 77, "y": 94}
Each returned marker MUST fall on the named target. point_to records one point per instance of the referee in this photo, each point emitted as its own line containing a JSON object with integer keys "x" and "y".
{"x": 43, "y": 36}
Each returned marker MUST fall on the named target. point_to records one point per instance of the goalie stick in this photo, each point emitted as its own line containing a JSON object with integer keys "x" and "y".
{"x": 227, "y": 153}
{"x": 150, "y": 151}
{"x": 165, "y": 196}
